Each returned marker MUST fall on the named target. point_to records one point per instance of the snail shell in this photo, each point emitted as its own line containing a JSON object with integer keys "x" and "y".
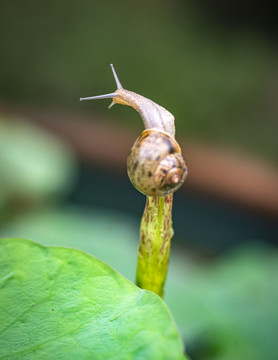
{"x": 155, "y": 165}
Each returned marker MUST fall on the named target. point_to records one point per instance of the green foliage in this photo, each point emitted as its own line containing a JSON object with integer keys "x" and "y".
{"x": 228, "y": 309}
{"x": 223, "y": 309}
{"x": 65, "y": 304}
{"x": 34, "y": 164}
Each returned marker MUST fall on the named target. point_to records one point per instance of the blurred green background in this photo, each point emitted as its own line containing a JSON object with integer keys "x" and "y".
{"x": 219, "y": 81}
{"x": 215, "y": 68}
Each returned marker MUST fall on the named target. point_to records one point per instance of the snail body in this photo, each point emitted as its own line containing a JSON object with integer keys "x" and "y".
{"x": 152, "y": 114}
{"x": 155, "y": 165}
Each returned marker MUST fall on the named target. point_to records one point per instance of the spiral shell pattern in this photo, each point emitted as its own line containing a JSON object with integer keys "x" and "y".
{"x": 155, "y": 165}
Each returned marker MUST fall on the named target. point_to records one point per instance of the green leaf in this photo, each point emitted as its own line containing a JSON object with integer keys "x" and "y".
{"x": 59, "y": 303}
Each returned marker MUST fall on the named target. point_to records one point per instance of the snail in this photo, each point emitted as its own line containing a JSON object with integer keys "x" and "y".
{"x": 155, "y": 165}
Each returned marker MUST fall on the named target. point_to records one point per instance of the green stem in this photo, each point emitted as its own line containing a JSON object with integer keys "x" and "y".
{"x": 154, "y": 248}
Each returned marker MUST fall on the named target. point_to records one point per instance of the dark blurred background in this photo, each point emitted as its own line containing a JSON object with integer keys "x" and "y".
{"x": 63, "y": 175}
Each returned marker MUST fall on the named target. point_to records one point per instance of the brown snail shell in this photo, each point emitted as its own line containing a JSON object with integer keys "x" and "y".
{"x": 155, "y": 165}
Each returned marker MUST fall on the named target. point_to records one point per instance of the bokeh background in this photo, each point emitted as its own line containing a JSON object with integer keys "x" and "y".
{"x": 63, "y": 175}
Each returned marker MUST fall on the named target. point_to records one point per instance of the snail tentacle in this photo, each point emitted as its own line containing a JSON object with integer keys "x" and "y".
{"x": 152, "y": 114}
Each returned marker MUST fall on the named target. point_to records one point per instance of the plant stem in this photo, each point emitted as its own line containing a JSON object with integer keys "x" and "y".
{"x": 154, "y": 247}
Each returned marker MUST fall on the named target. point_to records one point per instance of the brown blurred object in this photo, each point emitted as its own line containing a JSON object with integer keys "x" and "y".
{"x": 221, "y": 172}
{"x": 233, "y": 176}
